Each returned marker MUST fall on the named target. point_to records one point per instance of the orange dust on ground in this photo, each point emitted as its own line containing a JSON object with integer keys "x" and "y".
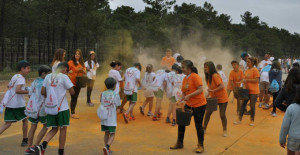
{"x": 143, "y": 136}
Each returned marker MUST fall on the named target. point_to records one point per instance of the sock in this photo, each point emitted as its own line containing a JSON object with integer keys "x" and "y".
{"x": 61, "y": 151}
{"x": 44, "y": 144}
{"x": 107, "y": 146}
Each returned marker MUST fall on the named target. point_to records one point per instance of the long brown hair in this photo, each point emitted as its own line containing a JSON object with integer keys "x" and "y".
{"x": 81, "y": 61}
{"x": 254, "y": 60}
{"x": 58, "y": 56}
{"x": 90, "y": 60}
{"x": 212, "y": 71}
{"x": 292, "y": 79}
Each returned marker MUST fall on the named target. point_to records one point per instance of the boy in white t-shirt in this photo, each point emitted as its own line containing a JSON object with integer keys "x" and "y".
{"x": 159, "y": 85}
{"x": 15, "y": 103}
{"x": 222, "y": 74}
{"x": 39, "y": 111}
{"x": 107, "y": 112}
{"x": 132, "y": 81}
{"x": 60, "y": 83}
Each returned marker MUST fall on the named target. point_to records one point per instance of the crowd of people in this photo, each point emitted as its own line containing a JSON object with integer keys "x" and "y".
{"x": 177, "y": 79}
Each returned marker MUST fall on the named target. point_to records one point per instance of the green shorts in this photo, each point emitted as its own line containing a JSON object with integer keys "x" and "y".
{"x": 61, "y": 119}
{"x": 111, "y": 129}
{"x": 159, "y": 94}
{"x": 132, "y": 98}
{"x": 173, "y": 99}
{"x": 14, "y": 114}
{"x": 42, "y": 119}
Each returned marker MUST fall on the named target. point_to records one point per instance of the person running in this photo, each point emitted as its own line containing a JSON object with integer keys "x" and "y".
{"x": 91, "y": 66}
{"x": 216, "y": 89}
{"x": 148, "y": 91}
{"x": 159, "y": 87}
{"x": 290, "y": 128}
{"x": 275, "y": 74}
{"x": 38, "y": 113}
{"x": 107, "y": 112}
{"x": 192, "y": 88}
{"x": 170, "y": 87}
{"x": 76, "y": 68}
{"x": 251, "y": 81}
{"x": 132, "y": 81}
{"x": 59, "y": 57}
{"x": 235, "y": 78}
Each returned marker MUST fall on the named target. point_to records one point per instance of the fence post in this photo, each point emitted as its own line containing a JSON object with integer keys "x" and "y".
{"x": 25, "y": 48}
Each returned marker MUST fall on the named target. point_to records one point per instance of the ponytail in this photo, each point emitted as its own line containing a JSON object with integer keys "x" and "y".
{"x": 189, "y": 64}
{"x": 254, "y": 60}
{"x": 194, "y": 70}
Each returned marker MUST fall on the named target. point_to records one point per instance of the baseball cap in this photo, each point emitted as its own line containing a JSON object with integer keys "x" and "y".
{"x": 244, "y": 54}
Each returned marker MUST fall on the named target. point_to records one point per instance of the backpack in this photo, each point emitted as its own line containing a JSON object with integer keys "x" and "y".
{"x": 103, "y": 111}
{"x": 274, "y": 87}
{"x": 32, "y": 110}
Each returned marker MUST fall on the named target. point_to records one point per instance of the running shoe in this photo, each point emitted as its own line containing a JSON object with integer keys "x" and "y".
{"x": 142, "y": 111}
{"x": 200, "y": 149}
{"x": 274, "y": 114}
{"x": 24, "y": 142}
{"x": 260, "y": 104}
{"x": 132, "y": 118}
{"x": 90, "y": 104}
{"x": 173, "y": 122}
{"x": 150, "y": 114}
{"x": 267, "y": 106}
{"x": 40, "y": 149}
{"x": 225, "y": 134}
{"x": 154, "y": 118}
{"x": 168, "y": 120}
{"x": 31, "y": 150}
{"x": 238, "y": 122}
{"x": 251, "y": 123}
{"x": 105, "y": 151}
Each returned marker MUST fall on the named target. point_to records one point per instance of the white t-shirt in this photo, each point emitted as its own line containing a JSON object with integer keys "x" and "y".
{"x": 36, "y": 87}
{"x": 159, "y": 79}
{"x": 263, "y": 64}
{"x": 264, "y": 77}
{"x": 178, "y": 63}
{"x": 131, "y": 75}
{"x": 60, "y": 85}
{"x": 148, "y": 79}
{"x": 18, "y": 100}
{"x": 169, "y": 78}
{"x": 110, "y": 100}
{"x": 243, "y": 65}
{"x": 223, "y": 76}
{"x": 54, "y": 67}
{"x": 92, "y": 73}
{"x": 117, "y": 76}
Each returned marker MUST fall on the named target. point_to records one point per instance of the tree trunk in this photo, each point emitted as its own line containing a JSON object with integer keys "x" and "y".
{"x": 1, "y": 34}
{"x": 64, "y": 29}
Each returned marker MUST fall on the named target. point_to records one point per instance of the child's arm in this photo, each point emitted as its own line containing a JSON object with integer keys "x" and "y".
{"x": 20, "y": 91}
{"x": 139, "y": 82}
{"x": 71, "y": 91}
{"x": 43, "y": 91}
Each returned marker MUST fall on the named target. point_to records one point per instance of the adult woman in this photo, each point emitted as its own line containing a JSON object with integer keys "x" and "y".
{"x": 251, "y": 82}
{"x": 77, "y": 68}
{"x": 91, "y": 66}
{"x": 275, "y": 74}
{"x": 288, "y": 92}
{"x": 216, "y": 89}
{"x": 192, "y": 88}
{"x": 59, "y": 57}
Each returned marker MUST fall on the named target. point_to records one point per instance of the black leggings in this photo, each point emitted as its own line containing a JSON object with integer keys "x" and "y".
{"x": 74, "y": 99}
{"x": 90, "y": 85}
{"x": 198, "y": 113}
{"x": 253, "y": 99}
{"x": 274, "y": 98}
{"x": 222, "y": 111}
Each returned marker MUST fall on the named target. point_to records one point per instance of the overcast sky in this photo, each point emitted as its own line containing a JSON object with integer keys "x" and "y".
{"x": 279, "y": 13}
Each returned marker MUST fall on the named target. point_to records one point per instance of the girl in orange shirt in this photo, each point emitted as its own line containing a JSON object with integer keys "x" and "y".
{"x": 216, "y": 89}
{"x": 251, "y": 82}
{"x": 76, "y": 68}
{"x": 192, "y": 88}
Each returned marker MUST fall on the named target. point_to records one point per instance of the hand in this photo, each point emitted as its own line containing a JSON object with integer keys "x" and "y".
{"x": 210, "y": 90}
{"x": 282, "y": 145}
{"x": 186, "y": 98}
{"x": 70, "y": 72}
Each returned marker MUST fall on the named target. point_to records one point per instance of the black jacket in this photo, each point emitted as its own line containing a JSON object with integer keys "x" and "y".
{"x": 288, "y": 97}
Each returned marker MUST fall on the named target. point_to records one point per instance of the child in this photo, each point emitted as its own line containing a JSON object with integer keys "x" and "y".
{"x": 110, "y": 100}
{"x": 167, "y": 61}
{"x": 172, "y": 106}
{"x": 222, "y": 74}
{"x": 291, "y": 126}
{"x": 35, "y": 91}
{"x": 59, "y": 57}
{"x": 179, "y": 60}
{"x": 91, "y": 66}
{"x": 158, "y": 85}
{"x": 55, "y": 86}
{"x": 235, "y": 78}
{"x": 15, "y": 104}
{"x": 132, "y": 78}
{"x": 148, "y": 92}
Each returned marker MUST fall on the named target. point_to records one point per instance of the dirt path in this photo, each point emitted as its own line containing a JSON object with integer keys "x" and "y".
{"x": 144, "y": 136}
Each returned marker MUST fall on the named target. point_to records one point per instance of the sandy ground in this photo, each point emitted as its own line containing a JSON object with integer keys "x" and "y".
{"x": 144, "y": 136}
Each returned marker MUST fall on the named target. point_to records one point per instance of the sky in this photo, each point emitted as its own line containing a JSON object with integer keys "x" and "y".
{"x": 279, "y": 13}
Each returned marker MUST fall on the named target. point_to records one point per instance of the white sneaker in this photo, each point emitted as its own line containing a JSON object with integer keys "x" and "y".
{"x": 274, "y": 114}
{"x": 150, "y": 114}
{"x": 260, "y": 104}
{"x": 251, "y": 123}
{"x": 225, "y": 134}
{"x": 238, "y": 122}
{"x": 266, "y": 106}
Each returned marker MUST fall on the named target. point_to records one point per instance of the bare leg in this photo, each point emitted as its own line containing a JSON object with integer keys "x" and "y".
{"x": 111, "y": 139}
{"x": 51, "y": 134}
{"x": 25, "y": 127}
{"x": 106, "y": 137}
{"x": 145, "y": 103}
{"x": 169, "y": 110}
{"x": 158, "y": 105}
{"x": 267, "y": 97}
{"x": 62, "y": 137}
{"x": 174, "y": 110}
{"x": 31, "y": 134}
{"x": 261, "y": 95}
{"x": 5, "y": 126}
{"x": 150, "y": 103}
{"x": 41, "y": 134}
{"x": 131, "y": 111}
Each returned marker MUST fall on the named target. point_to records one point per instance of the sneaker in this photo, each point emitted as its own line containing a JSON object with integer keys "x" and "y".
{"x": 176, "y": 146}
{"x": 125, "y": 117}
{"x": 225, "y": 134}
{"x": 40, "y": 149}
{"x": 150, "y": 114}
{"x": 110, "y": 152}
{"x": 251, "y": 123}
{"x": 168, "y": 120}
{"x": 260, "y": 104}
{"x": 132, "y": 118}
{"x": 274, "y": 114}
{"x": 90, "y": 104}
{"x": 238, "y": 122}
{"x": 75, "y": 116}
{"x": 154, "y": 118}
{"x": 142, "y": 111}
{"x": 173, "y": 122}
{"x": 105, "y": 151}
{"x": 266, "y": 106}
{"x": 200, "y": 149}
{"x": 24, "y": 142}
{"x": 31, "y": 150}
